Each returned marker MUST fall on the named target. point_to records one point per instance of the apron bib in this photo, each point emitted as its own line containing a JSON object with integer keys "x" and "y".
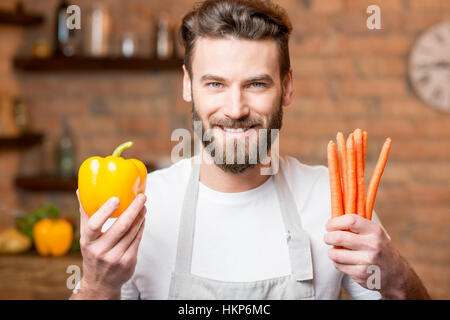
{"x": 297, "y": 285}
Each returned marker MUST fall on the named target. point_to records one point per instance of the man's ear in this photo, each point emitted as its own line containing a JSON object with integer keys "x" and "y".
{"x": 187, "y": 96}
{"x": 288, "y": 88}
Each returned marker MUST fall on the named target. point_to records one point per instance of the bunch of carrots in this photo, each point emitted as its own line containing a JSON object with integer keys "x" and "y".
{"x": 347, "y": 187}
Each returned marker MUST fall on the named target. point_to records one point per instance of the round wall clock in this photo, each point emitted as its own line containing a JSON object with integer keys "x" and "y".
{"x": 429, "y": 66}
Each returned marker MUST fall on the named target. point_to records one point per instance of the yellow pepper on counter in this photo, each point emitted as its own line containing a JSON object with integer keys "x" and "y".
{"x": 52, "y": 237}
{"x": 100, "y": 179}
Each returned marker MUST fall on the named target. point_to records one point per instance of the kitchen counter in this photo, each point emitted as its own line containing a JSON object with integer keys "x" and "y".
{"x": 30, "y": 276}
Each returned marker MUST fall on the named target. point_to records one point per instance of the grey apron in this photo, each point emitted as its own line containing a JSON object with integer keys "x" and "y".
{"x": 297, "y": 285}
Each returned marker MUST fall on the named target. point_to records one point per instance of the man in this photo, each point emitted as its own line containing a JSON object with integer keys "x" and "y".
{"x": 222, "y": 229}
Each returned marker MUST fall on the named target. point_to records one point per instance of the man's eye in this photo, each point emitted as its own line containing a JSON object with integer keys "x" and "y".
{"x": 257, "y": 84}
{"x": 215, "y": 85}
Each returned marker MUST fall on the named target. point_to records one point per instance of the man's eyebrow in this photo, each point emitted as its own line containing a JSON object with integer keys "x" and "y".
{"x": 262, "y": 77}
{"x": 211, "y": 77}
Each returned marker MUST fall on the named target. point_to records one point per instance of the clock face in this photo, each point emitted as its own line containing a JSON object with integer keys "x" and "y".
{"x": 429, "y": 66}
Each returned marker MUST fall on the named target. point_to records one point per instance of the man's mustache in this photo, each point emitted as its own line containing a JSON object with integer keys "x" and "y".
{"x": 235, "y": 123}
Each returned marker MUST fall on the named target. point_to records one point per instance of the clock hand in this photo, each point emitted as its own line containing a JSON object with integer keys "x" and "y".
{"x": 440, "y": 64}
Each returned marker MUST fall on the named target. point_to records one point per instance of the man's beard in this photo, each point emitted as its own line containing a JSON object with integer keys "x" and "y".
{"x": 233, "y": 166}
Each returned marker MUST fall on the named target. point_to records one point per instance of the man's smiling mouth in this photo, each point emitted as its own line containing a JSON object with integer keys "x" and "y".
{"x": 236, "y": 131}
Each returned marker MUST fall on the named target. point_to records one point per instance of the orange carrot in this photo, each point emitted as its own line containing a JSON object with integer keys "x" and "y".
{"x": 365, "y": 148}
{"x": 360, "y": 196}
{"x": 335, "y": 181}
{"x": 376, "y": 177}
{"x": 342, "y": 150}
{"x": 350, "y": 205}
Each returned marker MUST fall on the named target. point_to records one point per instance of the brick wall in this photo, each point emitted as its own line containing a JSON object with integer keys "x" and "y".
{"x": 345, "y": 77}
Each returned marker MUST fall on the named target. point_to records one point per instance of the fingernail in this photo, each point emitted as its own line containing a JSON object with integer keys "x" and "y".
{"x": 141, "y": 197}
{"x": 115, "y": 201}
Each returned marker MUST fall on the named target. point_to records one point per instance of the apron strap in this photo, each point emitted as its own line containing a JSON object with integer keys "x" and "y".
{"x": 291, "y": 218}
{"x": 187, "y": 223}
{"x": 297, "y": 239}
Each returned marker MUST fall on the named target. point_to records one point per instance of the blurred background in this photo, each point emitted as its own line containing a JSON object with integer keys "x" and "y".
{"x": 68, "y": 95}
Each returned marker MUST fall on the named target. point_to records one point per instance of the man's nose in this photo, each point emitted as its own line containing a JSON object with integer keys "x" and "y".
{"x": 236, "y": 106}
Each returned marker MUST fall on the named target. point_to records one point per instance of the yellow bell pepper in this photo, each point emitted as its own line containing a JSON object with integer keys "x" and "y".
{"x": 52, "y": 237}
{"x": 100, "y": 179}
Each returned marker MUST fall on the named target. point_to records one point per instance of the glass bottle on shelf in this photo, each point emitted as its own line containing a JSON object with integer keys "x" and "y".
{"x": 64, "y": 39}
{"x": 97, "y": 31}
{"x": 8, "y": 126}
{"x": 65, "y": 152}
{"x": 164, "y": 42}
{"x": 21, "y": 116}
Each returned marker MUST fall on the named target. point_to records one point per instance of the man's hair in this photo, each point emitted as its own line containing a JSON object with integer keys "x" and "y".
{"x": 241, "y": 19}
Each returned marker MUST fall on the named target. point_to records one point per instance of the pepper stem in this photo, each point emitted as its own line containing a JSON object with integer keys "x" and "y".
{"x": 122, "y": 147}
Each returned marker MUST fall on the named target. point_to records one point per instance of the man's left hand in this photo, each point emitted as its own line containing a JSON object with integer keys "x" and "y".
{"x": 360, "y": 243}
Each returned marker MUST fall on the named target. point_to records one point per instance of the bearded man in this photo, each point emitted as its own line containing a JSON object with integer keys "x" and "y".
{"x": 227, "y": 229}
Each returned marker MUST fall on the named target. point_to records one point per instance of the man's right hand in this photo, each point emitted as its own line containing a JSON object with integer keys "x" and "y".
{"x": 109, "y": 258}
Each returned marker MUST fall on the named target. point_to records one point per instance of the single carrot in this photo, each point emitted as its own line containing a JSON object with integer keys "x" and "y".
{"x": 360, "y": 195}
{"x": 365, "y": 136}
{"x": 335, "y": 181}
{"x": 350, "y": 205}
{"x": 376, "y": 177}
{"x": 342, "y": 150}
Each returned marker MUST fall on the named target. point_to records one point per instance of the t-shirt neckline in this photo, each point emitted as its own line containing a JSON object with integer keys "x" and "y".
{"x": 235, "y": 197}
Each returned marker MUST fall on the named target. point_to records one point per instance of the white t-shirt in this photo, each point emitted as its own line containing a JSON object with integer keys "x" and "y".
{"x": 238, "y": 236}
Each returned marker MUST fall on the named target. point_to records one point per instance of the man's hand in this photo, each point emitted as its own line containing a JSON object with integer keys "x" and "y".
{"x": 360, "y": 243}
{"x": 109, "y": 258}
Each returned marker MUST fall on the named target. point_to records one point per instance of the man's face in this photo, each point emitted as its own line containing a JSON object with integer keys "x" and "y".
{"x": 236, "y": 91}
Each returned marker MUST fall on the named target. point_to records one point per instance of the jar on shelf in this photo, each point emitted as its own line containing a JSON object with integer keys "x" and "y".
{"x": 97, "y": 31}
{"x": 128, "y": 45}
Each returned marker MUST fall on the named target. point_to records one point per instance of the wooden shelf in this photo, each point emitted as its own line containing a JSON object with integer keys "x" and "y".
{"x": 20, "y": 142}
{"x": 94, "y": 64}
{"x": 20, "y": 18}
{"x": 53, "y": 183}
{"x": 46, "y": 183}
